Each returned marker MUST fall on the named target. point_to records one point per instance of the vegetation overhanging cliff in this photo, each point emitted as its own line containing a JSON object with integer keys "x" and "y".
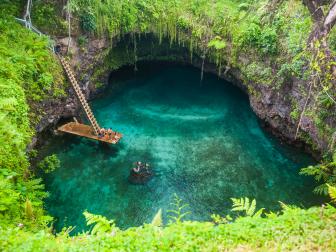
{"x": 268, "y": 46}
{"x": 265, "y": 45}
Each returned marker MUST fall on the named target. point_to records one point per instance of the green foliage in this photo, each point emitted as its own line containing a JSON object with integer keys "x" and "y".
{"x": 21, "y": 201}
{"x": 157, "y": 220}
{"x": 259, "y": 73}
{"x": 217, "y": 43}
{"x": 88, "y": 21}
{"x": 25, "y": 77}
{"x": 9, "y": 201}
{"x": 293, "y": 68}
{"x": 27, "y": 62}
{"x": 100, "y": 223}
{"x": 295, "y": 24}
{"x": 294, "y": 230}
{"x": 185, "y": 22}
{"x": 11, "y": 7}
{"x": 82, "y": 41}
{"x": 295, "y": 114}
{"x": 324, "y": 172}
{"x": 248, "y": 208}
{"x": 51, "y": 11}
{"x": 29, "y": 209}
{"x": 263, "y": 38}
{"x": 49, "y": 163}
{"x": 332, "y": 192}
{"x": 217, "y": 219}
{"x": 178, "y": 212}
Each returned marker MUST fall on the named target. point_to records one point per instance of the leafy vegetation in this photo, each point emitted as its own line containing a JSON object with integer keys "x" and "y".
{"x": 48, "y": 10}
{"x": 244, "y": 205}
{"x": 294, "y": 230}
{"x": 25, "y": 79}
{"x": 324, "y": 173}
{"x": 177, "y": 213}
{"x": 49, "y": 163}
{"x": 100, "y": 223}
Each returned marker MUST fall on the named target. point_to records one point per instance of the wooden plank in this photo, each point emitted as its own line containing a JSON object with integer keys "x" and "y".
{"x": 88, "y": 132}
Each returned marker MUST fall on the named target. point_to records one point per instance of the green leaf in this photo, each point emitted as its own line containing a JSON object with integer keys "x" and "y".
{"x": 332, "y": 192}
{"x": 157, "y": 220}
{"x": 244, "y": 205}
{"x": 100, "y": 223}
{"x": 217, "y": 43}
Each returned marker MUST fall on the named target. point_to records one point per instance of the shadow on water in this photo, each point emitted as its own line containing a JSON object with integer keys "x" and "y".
{"x": 204, "y": 143}
{"x": 107, "y": 150}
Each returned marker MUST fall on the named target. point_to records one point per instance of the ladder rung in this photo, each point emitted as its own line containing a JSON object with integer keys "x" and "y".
{"x": 80, "y": 95}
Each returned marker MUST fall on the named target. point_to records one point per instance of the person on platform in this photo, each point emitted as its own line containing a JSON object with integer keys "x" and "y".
{"x": 109, "y": 133}
{"x": 102, "y": 132}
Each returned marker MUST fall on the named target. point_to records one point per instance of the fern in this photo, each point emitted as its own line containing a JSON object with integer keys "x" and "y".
{"x": 100, "y": 223}
{"x": 332, "y": 192}
{"x": 325, "y": 173}
{"x": 287, "y": 207}
{"x": 178, "y": 213}
{"x": 244, "y": 205}
{"x": 321, "y": 189}
{"x": 259, "y": 212}
{"x": 315, "y": 171}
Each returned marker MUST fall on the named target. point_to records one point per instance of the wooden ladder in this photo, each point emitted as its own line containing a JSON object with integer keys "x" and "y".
{"x": 80, "y": 95}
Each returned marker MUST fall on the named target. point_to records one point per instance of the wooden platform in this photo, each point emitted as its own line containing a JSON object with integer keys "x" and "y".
{"x": 88, "y": 132}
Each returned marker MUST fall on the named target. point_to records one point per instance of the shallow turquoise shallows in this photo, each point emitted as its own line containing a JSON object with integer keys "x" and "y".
{"x": 202, "y": 139}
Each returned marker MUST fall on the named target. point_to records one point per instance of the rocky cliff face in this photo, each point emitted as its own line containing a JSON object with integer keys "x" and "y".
{"x": 94, "y": 61}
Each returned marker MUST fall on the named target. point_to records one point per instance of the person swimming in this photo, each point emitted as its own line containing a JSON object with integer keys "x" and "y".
{"x": 141, "y": 173}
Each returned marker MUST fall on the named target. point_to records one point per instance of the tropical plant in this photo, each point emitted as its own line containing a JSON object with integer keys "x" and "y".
{"x": 178, "y": 212}
{"x": 246, "y": 206}
{"x": 332, "y": 193}
{"x": 218, "y": 43}
{"x": 324, "y": 172}
{"x": 217, "y": 219}
{"x": 88, "y": 21}
{"x": 25, "y": 78}
{"x": 9, "y": 201}
{"x": 49, "y": 163}
{"x": 100, "y": 224}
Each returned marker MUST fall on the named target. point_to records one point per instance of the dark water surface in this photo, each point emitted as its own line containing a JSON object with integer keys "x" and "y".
{"x": 203, "y": 141}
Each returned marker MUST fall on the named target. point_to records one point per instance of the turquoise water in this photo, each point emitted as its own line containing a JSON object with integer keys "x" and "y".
{"x": 202, "y": 139}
